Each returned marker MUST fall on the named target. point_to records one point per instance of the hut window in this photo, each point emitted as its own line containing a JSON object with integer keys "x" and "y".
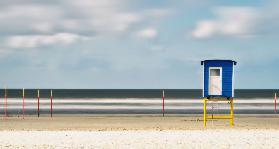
{"x": 214, "y": 72}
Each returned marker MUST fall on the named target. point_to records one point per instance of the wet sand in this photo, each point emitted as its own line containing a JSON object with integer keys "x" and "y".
{"x": 116, "y": 123}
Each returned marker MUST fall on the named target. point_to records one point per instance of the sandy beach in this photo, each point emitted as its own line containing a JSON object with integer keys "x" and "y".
{"x": 140, "y": 122}
{"x": 141, "y": 139}
{"x": 250, "y": 131}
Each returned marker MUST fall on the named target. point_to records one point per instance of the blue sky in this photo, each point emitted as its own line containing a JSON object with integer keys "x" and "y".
{"x": 136, "y": 44}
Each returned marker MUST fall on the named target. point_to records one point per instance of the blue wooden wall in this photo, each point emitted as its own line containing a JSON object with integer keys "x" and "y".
{"x": 227, "y": 74}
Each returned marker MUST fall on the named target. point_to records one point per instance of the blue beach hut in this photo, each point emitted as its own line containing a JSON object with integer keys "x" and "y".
{"x": 218, "y": 77}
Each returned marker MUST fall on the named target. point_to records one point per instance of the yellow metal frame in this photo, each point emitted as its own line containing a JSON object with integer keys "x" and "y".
{"x": 230, "y": 117}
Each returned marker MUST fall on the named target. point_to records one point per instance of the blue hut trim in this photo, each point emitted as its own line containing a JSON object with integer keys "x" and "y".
{"x": 234, "y": 62}
{"x": 227, "y": 77}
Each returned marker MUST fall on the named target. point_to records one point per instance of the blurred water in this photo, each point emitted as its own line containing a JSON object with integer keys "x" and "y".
{"x": 132, "y": 93}
{"x": 133, "y": 101}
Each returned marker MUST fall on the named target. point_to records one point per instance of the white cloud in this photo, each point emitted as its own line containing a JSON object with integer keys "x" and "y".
{"x": 83, "y": 17}
{"x": 229, "y": 21}
{"x": 31, "y": 41}
{"x": 159, "y": 13}
{"x": 106, "y": 16}
{"x": 29, "y": 11}
{"x": 205, "y": 29}
{"x": 43, "y": 27}
{"x": 114, "y": 22}
{"x": 29, "y": 18}
{"x": 147, "y": 33}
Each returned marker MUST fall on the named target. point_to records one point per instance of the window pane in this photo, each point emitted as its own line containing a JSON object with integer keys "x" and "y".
{"x": 214, "y": 72}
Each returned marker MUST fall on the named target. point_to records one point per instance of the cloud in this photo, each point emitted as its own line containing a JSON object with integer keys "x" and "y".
{"x": 83, "y": 16}
{"x": 113, "y": 22}
{"x": 31, "y": 18}
{"x": 229, "y": 21}
{"x": 105, "y": 16}
{"x": 90, "y": 17}
{"x": 31, "y": 23}
{"x": 32, "y": 41}
{"x": 159, "y": 13}
{"x": 205, "y": 29}
{"x": 147, "y": 33}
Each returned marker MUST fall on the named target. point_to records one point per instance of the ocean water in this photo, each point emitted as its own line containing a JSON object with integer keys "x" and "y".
{"x": 132, "y": 101}
{"x": 133, "y": 93}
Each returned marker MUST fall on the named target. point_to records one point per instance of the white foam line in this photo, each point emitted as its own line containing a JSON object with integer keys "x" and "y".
{"x": 73, "y": 107}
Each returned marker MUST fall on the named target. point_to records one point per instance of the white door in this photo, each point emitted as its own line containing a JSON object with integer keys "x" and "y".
{"x": 215, "y": 81}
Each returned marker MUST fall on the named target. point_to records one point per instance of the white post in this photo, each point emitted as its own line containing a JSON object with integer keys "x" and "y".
{"x": 163, "y": 110}
{"x": 275, "y": 103}
{"x": 23, "y": 103}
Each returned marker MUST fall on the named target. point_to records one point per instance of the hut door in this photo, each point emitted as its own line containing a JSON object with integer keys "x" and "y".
{"x": 215, "y": 81}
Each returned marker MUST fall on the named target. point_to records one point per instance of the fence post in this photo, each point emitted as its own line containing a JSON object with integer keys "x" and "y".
{"x": 23, "y": 103}
{"x": 275, "y": 103}
{"x": 6, "y": 103}
{"x": 163, "y": 103}
{"x": 204, "y": 112}
{"x": 51, "y": 103}
{"x": 38, "y": 103}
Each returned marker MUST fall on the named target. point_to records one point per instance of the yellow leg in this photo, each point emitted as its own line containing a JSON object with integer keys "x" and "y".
{"x": 204, "y": 112}
{"x": 232, "y": 114}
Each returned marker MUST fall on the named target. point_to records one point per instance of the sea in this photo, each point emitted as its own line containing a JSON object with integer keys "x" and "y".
{"x": 130, "y": 102}
{"x": 132, "y": 93}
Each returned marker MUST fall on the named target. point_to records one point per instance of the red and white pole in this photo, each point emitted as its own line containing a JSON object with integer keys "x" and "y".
{"x": 38, "y": 103}
{"x": 275, "y": 103}
{"x": 6, "y": 103}
{"x": 23, "y": 103}
{"x": 51, "y": 103}
{"x": 163, "y": 110}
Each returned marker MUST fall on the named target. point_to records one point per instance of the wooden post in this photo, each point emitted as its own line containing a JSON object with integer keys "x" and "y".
{"x": 6, "y": 103}
{"x": 204, "y": 112}
{"x": 38, "y": 103}
{"x": 23, "y": 103}
{"x": 51, "y": 103}
{"x": 163, "y": 110}
{"x": 230, "y": 116}
{"x": 232, "y": 113}
{"x": 275, "y": 103}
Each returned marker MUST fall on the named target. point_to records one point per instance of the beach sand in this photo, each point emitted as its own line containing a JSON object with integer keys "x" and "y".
{"x": 110, "y": 123}
{"x": 138, "y": 132}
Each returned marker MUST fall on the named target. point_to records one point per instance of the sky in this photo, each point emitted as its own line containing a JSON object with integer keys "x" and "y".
{"x": 136, "y": 44}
